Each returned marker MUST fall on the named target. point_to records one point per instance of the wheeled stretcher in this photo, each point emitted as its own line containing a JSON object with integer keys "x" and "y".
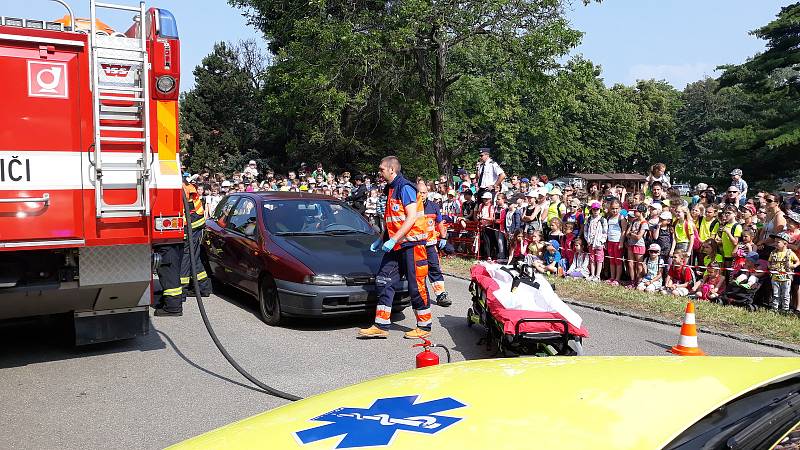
{"x": 533, "y": 320}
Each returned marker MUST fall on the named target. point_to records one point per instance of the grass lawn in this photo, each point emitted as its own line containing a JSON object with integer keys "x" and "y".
{"x": 759, "y": 324}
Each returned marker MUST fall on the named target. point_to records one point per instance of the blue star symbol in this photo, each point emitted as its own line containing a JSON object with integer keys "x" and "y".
{"x": 377, "y": 425}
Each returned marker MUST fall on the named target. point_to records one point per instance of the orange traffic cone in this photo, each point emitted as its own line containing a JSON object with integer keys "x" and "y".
{"x": 687, "y": 344}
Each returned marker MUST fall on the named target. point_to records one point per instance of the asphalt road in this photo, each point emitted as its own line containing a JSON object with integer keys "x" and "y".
{"x": 173, "y": 384}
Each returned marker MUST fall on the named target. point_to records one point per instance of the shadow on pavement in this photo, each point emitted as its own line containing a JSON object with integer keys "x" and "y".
{"x": 49, "y": 338}
{"x": 350, "y": 321}
{"x": 659, "y": 344}
{"x": 465, "y": 339}
{"x": 201, "y": 368}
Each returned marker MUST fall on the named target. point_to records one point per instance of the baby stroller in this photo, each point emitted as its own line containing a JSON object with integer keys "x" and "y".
{"x": 548, "y": 330}
{"x": 743, "y": 293}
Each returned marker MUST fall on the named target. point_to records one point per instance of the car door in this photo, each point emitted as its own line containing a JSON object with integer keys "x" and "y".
{"x": 243, "y": 249}
{"x": 216, "y": 237}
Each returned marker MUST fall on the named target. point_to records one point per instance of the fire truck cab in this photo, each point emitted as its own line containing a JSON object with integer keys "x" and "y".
{"x": 90, "y": 185}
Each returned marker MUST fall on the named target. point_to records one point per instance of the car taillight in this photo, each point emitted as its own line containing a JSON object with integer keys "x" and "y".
{"x": 169, "y": 223}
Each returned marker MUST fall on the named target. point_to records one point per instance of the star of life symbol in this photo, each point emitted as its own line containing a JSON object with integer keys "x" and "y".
{"x": 377, "y": 425}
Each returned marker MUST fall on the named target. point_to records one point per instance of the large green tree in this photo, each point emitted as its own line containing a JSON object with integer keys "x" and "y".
{"x": 220, "y": 117}
{"x": 365, "y": 66}
{"x": 766, "y": 141}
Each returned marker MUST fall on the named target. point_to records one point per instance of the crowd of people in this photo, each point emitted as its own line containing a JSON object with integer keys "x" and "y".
{"x": 736, "y": 246}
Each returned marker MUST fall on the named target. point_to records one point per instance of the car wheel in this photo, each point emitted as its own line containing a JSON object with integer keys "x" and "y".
{"x": 268, "y": 303}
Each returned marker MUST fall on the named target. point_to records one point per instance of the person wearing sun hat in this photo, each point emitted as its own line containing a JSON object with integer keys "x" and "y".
{"x": 595, "y": 230}
{"x": 782, "y": 263}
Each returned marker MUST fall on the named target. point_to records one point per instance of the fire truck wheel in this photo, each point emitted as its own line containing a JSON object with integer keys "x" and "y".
{"x": 268, "y": 303}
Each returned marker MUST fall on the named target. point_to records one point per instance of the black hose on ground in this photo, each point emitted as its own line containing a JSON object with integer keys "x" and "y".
{"x": 266, "y": 389}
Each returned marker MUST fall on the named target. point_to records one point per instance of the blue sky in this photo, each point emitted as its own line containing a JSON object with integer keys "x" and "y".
{"x": 677, "y": 40}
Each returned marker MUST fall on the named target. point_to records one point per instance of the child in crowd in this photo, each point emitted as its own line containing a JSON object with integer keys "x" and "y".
{"x": 711, "y": 286}
{"x": 636, "y": 246}
{"x": 617, "y": 226}
{"x": 679, "y": 277}
{"x": 551, "y": 258}
{"x": 535, "y": 244}
{"x": 662, "y": 235}
{"x": 518, "y": 247}
{"x": 652, "y": 279}
{"x": 596, "y": 233}
{"x": 574, "y": 216}
{"x": 566, "y": 242}
{"x": 782, "y": 263}
{"x": 709, "y": 253}
{"x": 555, "y": 225}
{"x": 746, "y": 275}
{"x": 371, "y": 210}
{"x": 729, "y": 233}
{"x": 579, "y": 268}
{"x": 747, "y": 244}
{"x": 683, "y": 230}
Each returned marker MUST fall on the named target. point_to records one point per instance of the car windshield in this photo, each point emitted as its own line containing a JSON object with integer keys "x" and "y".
{"x": 313, "y": 216}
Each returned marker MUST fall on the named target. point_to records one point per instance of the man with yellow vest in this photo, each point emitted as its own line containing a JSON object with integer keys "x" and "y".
{"x": 198, "y": 221}
{"x": 403, "y": 242}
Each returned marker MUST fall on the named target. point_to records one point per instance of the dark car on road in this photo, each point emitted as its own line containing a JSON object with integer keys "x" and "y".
{"x": 298, "y": 254}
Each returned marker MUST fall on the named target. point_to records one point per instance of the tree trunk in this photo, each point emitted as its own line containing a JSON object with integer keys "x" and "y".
{"x": 436, "y": 102}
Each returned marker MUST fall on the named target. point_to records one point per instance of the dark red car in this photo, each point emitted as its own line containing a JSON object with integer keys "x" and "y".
{"x": 298, "y": 254}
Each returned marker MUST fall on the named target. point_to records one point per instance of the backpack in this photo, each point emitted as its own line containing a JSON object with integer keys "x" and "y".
{"x": 697, "y": 244}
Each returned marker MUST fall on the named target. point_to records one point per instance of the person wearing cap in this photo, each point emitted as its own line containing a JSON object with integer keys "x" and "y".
{"x": 250, "y": 171}
{"x": 437, "y": 240}
{"x": 663, "y": 236}
{"x": 450, "y": 207}
{"x": 551, "y": 258}
{"x": 485, "y": 217}
{"x": 731, "y": 196}
{"x": 652, "y": 280}
{"x": 556, "y": 208}
{"x": 574, "y": 215}
{"x": 595, "y": 231}
{"x": 530, "y": 215}
{"x": 741, "y": 185}
{"x": 490, "y": 175}
{"x": 782, "y": 263}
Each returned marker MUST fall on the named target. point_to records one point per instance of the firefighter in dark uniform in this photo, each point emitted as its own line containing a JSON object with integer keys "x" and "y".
{"x": 169, "y": 275}
{"x": 197, "y": 220}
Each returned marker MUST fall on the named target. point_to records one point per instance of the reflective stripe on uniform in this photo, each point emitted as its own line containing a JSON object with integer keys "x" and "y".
{"x": 199, "y": 222}
{"x": 423, "y": 317}
{"x": 174, "y": 292}
{"x": 202, "y": 275}
{"x": 383, "y": 315}
{"x": 185, "y": 280}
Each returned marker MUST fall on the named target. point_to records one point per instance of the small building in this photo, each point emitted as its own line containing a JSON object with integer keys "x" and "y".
{"x": 633, "y": 182}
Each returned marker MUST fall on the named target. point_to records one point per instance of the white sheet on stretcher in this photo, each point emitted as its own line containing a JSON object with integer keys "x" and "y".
{"x": 528, "y": 298}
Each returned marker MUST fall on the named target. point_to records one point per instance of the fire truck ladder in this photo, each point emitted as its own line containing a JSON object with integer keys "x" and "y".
{"x": 121, "y": 111}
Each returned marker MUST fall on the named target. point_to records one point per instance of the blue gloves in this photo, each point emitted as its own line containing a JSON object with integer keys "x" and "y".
{"x": 376, "y": 245}
{"x": 388, "y": 245}
{"x": 442, "y": 244}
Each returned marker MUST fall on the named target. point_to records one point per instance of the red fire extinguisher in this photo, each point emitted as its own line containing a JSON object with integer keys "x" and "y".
{"x": 427, "y": 357}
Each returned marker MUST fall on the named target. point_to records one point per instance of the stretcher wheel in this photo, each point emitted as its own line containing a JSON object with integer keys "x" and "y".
{"x": 469, "y": 317}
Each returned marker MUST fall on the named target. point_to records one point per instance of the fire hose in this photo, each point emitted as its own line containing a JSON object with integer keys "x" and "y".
{"x": 264, "y": 387}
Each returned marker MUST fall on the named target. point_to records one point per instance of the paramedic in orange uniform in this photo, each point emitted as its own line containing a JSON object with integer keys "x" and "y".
{"x": 403, "y": 242}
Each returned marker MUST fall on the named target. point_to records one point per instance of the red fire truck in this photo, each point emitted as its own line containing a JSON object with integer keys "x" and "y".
{"x": 90, "y": 185}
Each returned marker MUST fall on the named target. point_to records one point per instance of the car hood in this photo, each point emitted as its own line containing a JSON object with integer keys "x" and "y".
{"x": 328, "y": 255}
{"x": 558, "y": 402}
